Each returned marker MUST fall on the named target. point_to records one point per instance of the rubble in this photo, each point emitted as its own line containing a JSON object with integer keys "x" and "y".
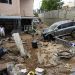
{"x": 2, "y": 52}
{"x": 65, "y": 54}
{"x": 17, "y": 69}
{"x": 45, "y": 57}
{"x": 39, "y": 71}
{"x": 3, "y": 69}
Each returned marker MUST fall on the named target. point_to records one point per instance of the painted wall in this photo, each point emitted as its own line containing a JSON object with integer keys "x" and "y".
{"x": 10, "y": 9}
{"x": 17, "y": 8}
{"x": 57, "y": 15}
{"x": 26, "y": 7}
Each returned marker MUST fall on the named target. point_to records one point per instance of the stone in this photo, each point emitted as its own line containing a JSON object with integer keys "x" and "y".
{"x": 23, "y": 72}
{"x": 45, "y": 44}
{"x": 39, "y": 71}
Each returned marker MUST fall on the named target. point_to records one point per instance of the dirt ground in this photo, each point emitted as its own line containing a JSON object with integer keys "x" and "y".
{"x": 45, "y": 56}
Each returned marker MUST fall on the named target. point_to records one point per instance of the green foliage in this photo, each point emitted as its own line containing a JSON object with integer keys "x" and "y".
{"x": 48, "y": 5}
{"x": 36, "y": 14}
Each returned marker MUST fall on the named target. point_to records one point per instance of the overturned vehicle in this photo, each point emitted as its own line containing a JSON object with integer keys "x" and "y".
{"x": 59, "y": 29}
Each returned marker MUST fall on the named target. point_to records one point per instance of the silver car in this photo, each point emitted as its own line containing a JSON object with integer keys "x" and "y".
{"x": 60, "y": 28}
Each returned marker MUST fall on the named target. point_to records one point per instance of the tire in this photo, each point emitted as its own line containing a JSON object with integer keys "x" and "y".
{"x": 73, "y": 34}
{"x": 50, "y": 38}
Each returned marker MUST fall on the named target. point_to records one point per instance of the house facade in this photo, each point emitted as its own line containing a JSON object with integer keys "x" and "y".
{"x": 16, "y": 7}
{"x": 16, "y": 14}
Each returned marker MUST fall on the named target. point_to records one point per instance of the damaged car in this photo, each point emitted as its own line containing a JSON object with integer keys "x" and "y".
{"x": 59, "y": 29}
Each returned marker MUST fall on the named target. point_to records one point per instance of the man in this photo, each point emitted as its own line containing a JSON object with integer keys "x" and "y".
{"x": 2, "y": 31}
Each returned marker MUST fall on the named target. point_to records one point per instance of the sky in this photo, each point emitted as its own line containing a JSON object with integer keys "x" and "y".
{"x": 69, "y": 2}
{"x": 37, "y": 3}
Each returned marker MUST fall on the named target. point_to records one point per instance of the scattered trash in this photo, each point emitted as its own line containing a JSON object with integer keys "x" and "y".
{"x": 65, "y": 54}
{"x": 2, "y": 52}
{"x": 34, "y": 44}
{"x": 39, "y": 71}
{"x": 23, "y": 72}
{"x": 31, "y": 73}
{"x": 73, "y": 44}
{"x": 3, "y": 69}
{"x": 17, "y": 69}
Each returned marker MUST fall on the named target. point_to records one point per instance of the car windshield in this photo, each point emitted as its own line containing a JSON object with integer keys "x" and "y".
{"x": 53, "y": 26}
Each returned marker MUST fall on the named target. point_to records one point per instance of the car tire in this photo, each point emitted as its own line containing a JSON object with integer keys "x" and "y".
{"x": 50, "y": 38}
{"x": 73, "y": 34}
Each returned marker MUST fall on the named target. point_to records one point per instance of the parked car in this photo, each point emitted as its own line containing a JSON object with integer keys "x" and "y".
{"x": 60, "y": 28}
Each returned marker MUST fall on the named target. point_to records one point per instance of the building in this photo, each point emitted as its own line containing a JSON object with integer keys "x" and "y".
{"x": 16, "y": 14}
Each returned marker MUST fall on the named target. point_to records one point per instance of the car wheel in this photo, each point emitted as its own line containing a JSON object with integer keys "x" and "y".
{"x": 50, "y": 38}
{"x": 73, "y": 34}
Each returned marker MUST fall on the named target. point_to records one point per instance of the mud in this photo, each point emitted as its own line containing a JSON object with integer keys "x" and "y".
{"x": 45, "y": 56}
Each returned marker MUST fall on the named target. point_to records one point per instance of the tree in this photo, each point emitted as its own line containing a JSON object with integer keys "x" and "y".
{"x": 48, "y": 5}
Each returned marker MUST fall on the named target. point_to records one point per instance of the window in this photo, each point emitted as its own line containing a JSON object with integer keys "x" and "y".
{"x": 65, "y": 25}
{"x": 6, "y": 1}
{"x": 10, "y": 1}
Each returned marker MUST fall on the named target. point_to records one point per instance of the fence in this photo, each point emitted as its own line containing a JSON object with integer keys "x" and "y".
{"x": 57, "y": 15}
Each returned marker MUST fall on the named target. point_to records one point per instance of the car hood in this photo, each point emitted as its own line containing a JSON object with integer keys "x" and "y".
{"x": 47, "y": 30}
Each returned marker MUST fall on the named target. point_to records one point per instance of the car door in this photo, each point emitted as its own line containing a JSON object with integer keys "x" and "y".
{"x": 58, "y": 31}
{"x": 64, "y": 29}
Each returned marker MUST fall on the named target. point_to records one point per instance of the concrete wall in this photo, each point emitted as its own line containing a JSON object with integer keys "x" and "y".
{"x": 26, "y": 7}
{"x": 10, "y": 9}
{"x": 57, "y": 15}
{"x": 17, "y": 8}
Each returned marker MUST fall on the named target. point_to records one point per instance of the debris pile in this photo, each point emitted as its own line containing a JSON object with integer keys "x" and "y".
{"x": 44, "y": 56}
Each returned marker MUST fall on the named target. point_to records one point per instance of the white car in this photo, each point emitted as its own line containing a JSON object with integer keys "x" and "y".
{"x": 60, "y": 28}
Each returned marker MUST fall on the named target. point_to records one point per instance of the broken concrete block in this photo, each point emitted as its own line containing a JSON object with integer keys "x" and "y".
{"x": 23, "y": 72}
{"x": 10, "y": 67}
{"x": 39, "y": 71}
{"x": 65, "y": 54}
{"x": 17, "y": 69}
{"x": 19, "y": 44}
